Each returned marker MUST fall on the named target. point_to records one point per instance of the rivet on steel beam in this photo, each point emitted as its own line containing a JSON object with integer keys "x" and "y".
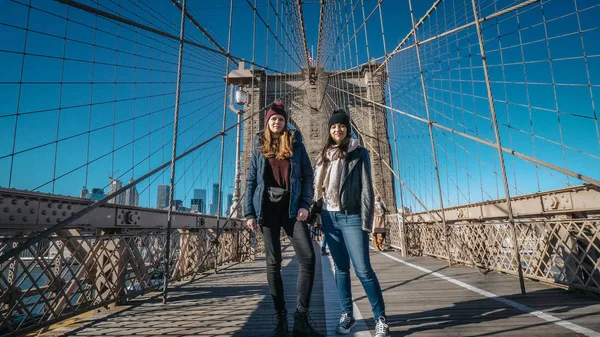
{"x": 14, "y": 201}
{"x": 19, "y": 210}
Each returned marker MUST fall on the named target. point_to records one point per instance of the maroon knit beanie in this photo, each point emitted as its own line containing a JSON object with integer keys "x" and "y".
{"x": 277, "y": 108}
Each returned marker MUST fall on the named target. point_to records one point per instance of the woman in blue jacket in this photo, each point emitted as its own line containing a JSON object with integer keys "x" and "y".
{"x": 279, "y": 190}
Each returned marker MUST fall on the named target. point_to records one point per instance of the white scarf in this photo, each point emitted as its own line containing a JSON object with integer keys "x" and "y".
{"x": 328, "y": 179}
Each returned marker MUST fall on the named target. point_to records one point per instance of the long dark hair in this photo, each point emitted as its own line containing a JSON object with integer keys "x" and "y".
{"x": 341, "y": 153}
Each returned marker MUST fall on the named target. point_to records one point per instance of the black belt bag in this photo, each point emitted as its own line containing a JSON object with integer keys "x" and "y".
{"x": 276, "y": 194}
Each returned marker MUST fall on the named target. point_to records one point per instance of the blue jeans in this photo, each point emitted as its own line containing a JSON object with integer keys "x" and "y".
{"x": 347, "y": 242}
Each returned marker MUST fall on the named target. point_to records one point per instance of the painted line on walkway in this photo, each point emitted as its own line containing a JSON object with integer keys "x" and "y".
{"x": 539, "y": 314}
{"x": 332, "y": 302}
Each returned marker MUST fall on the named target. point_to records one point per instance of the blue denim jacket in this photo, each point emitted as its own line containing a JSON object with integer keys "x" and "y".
{"x": 301, "y": 180}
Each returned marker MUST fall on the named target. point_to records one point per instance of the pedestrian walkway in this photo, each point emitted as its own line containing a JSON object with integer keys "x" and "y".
{"x": 423, "y": 297}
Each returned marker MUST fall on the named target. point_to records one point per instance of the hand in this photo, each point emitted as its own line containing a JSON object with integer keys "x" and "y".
{"x": 251, "y": 223}
{"x": 302, "y": 214}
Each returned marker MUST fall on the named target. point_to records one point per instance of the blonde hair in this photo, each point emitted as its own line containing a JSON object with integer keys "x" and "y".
{"x": 280, "y": 148}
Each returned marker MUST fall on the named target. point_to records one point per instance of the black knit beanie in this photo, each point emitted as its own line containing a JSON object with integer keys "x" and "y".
{"x": 340, "y": 117}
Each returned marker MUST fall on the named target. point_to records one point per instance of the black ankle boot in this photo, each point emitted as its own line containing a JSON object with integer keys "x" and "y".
{"x": 303, "y": 326}
{"x": 281, "y": 325}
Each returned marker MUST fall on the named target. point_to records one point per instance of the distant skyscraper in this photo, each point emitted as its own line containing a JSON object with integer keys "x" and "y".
{"x": 85, "y": 194}
{"x": 194, "y": 205}
{"x": 97, "y": 194}
{"x": 132, "y": 197}
{"x": 200, "y": 197}
{"x": 197, "y": 205}
{"x": 115, "y": 185}
{"x": 162, "y": 196}
{"x": 229, "y": 203}
{"x": 214, "y": 205}
{"x": 200, "y": 194}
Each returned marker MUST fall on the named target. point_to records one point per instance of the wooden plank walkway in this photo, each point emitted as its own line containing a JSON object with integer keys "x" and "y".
{"x": 420, "y": 303}
{"x": 423, "y": 297}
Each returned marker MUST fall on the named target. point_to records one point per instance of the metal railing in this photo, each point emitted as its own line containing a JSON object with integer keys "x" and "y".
{"x": 92, "y": 264}
{"x": 561, "y": 247}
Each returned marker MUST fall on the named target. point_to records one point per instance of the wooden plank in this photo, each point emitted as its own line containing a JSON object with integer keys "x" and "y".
{"x": 236, "y": 302}
{"x": 421, "y": 304}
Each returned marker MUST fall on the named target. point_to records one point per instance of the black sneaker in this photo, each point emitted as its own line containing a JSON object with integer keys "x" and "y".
{"x": 303, "y": 326}
{"x": 347, "y": 323}
{"x": 324, "y": 251}
{"x": 281, "y": 324}
{"x": 381, "y": 328}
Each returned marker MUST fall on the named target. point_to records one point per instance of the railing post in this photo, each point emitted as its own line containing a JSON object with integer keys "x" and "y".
{"x": 110, "y": 267}
{"x": 12, "y": 290}
{"x": 58, "y": 265}
{"x": 181, "y": 266}
{"x": 513, "y": 228}
{"x": 430, "y": 126}
{"x": 402, "y": 231}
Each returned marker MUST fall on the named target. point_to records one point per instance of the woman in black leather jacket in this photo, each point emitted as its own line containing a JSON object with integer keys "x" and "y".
{"x": 343, "y": 184}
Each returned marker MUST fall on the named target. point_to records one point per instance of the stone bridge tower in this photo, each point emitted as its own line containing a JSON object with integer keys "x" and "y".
{"x": 312, "y": 96}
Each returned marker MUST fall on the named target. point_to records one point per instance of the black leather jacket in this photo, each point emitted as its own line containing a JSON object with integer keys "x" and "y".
{"x": 356, "y": 189}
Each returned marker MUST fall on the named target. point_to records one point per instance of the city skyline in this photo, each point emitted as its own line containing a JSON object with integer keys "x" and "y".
{"x": 130, "y": 197}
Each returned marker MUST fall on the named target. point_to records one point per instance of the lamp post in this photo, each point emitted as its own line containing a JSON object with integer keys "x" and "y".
{"x": 241, "y": 78}
{"x": 241, "y": 98}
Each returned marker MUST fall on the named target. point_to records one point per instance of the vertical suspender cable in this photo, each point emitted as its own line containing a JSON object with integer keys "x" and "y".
{"x": 167, "y": 257}
{"x": 389, "y": 85}
{"x": 429, "y": 124}
{"x": 220, "y": 196}
{"x": 499, "y": 146}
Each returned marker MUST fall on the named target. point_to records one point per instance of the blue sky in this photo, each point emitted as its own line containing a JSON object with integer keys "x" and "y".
{"x": 120, "y": 117}
{"x": 553, "y": 123}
